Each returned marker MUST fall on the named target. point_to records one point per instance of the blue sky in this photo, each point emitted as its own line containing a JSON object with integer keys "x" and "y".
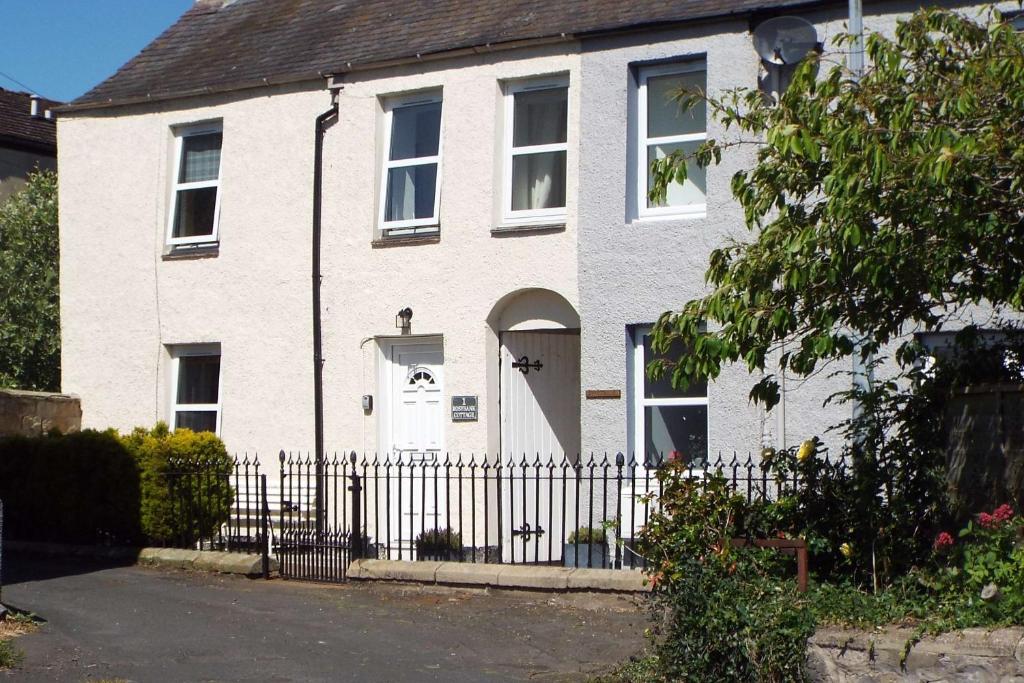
{"x": 61, "y": 48}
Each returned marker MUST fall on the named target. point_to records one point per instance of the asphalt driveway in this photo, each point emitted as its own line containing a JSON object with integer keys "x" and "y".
{"x": 141, "y": 624}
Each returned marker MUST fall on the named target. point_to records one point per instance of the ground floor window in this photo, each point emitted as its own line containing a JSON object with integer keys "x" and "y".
{"x": 668, "y": 424}
{"x": 195, "y": 373}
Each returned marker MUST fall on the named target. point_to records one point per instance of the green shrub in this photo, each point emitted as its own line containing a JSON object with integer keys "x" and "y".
{"x": 73, "y": 488}
{"x": 587, "y": 536}
{"x": 722, "y": 613}
{"x": 981, "y": 573}
{"x": 98, "y": 487}
{"x": 438, "y": 542}
{"x": 185, "y": 483}
{"x": 869, "y": 517}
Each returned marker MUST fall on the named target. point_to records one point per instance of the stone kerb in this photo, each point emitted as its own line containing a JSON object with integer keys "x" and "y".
{"x": 526, "y": 577}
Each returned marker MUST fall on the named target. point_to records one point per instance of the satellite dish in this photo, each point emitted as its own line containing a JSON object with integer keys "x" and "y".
{"x": 785, "y": 40}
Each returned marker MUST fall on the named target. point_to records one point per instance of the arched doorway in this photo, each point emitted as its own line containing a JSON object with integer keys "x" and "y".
{"x": 538, "y": 334}
{"x": 539, "y": 375}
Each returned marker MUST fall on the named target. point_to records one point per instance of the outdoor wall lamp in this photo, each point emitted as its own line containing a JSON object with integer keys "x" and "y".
{"x": 404, "y": 318}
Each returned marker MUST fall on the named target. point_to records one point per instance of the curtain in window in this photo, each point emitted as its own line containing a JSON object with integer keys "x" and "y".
{"x": 664, "y": 115}
{"x": 538, "y": 179}
{"x": 198, "y": 379}
{"x": 411, "y": 192}
{"x": 415, "y": 134}
{"x": 200, "y": 158}
{"x": 676, "y": 129}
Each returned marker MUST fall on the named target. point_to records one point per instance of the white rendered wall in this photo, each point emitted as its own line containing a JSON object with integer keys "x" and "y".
{"x": 453, "y": 286}
{"x": 122, "y": 303}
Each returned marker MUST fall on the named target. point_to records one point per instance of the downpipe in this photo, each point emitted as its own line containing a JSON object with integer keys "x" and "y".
{"x": 323, "y": 122}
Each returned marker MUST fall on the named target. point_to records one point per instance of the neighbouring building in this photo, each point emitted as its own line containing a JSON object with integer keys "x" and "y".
{"x": 28, "y": 138}
{"x": 487, "y": 264}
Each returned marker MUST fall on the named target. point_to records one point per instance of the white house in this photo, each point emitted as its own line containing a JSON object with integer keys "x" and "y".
{"x": 433, "y": 203}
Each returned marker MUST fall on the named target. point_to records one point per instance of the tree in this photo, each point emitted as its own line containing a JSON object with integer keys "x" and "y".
{"x": 29, "y": 295}
{"x": 878, "y": 206}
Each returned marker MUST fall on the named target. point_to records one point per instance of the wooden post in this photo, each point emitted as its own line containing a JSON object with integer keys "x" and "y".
{"x": 789, "y": 546}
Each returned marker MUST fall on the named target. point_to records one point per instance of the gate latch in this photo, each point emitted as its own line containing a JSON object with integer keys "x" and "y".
{"x": 526, "y": 531}
{"x": 524, "y": 365}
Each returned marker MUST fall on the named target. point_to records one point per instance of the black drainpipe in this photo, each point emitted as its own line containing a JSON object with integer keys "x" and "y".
{"x": 322, "y": 121}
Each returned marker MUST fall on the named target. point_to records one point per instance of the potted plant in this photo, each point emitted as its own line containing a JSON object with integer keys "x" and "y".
{"x": 439, "y": 544}
{"x": 587, "y": 547}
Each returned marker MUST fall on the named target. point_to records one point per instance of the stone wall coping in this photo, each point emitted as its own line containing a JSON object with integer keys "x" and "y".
{"x": 47, "y": 395}
{"x": 530, "y": 577}
{"x": 975, "y": 654}
{"x": 979, "y": 642}
{"x": 177, "y": 558}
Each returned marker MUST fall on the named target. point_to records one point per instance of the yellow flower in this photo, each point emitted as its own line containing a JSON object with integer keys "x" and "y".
{"x": 846, "y": 549}
{"x": 806, "y": 450}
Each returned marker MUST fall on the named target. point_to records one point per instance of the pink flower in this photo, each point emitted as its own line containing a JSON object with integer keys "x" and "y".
{"x": 987, "y": 521}
{"x": 1003, "y": 513}
{"x": 943, "y": 542}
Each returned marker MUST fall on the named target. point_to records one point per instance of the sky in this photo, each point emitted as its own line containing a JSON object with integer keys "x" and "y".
{"x": 61, "y": 48}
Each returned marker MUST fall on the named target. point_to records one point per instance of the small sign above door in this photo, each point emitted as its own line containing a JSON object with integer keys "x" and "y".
{"x": 464, "y": 409}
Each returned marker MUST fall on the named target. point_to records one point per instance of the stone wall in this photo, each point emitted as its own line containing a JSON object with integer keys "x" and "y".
{"x": 33, "y": 413}
{"x": 981, "y": 655}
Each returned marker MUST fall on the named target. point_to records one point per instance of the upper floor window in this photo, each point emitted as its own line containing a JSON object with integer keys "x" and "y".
{"x": 196, "y": 195}
{"x": 411, "y": 185}
{"x": 195, "y": 372}
{"x": 536, "y": 146}
{"x": 664, "y": 128}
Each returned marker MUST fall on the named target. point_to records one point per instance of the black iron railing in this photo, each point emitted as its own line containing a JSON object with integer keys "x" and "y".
{"x": 553, "y": 510}
{"x": 212, "y": 505}
{"x": 549, "y": 510}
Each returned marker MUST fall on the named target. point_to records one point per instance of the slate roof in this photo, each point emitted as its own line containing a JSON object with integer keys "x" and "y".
{"x": 19, "y": 128}
{"x": 223, "y": 45}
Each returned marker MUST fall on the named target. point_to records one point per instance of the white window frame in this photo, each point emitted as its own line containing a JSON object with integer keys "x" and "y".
{"x": 414, "y": 226}
{"x": 639, "y": 377}
{"x": 644, "y": 142}
{"x": 527, "y": 216}
{"x": 176, "y": 187}
{"x": 190, "y": 350}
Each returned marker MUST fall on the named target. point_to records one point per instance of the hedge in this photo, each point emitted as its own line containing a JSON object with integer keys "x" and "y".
{"x": 74, "y": 488}
{"x": 185, "y": 483}
{"x": 150, "y": 486}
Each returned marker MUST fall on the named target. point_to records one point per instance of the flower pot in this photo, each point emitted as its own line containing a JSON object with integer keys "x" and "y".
{"x": 584, "y": 555}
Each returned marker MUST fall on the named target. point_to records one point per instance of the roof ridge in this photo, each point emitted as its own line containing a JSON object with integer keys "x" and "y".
{"x": 211, "y": 47}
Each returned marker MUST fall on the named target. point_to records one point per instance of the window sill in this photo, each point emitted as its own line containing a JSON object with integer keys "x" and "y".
{"x": 509, "y": 230}
{"x": 192, "y": 251}
{"x": 405, "y": 240}
{"x": 669, "y": 217}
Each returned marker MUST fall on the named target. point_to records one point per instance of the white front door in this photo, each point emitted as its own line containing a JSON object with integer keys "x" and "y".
{"x": 540, "y": 423}
{"x": 416, "y": 431}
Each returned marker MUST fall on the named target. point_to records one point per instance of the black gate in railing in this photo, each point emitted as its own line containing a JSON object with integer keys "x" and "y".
{"x": 315, "y": 539}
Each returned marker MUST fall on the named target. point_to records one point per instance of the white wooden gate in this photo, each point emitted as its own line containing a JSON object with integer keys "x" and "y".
{"x": 540, "y": 420}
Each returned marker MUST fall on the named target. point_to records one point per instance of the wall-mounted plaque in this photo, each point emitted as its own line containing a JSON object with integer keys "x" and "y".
{"x": 604, "y": 393}
{"x": 464, "y": 409}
